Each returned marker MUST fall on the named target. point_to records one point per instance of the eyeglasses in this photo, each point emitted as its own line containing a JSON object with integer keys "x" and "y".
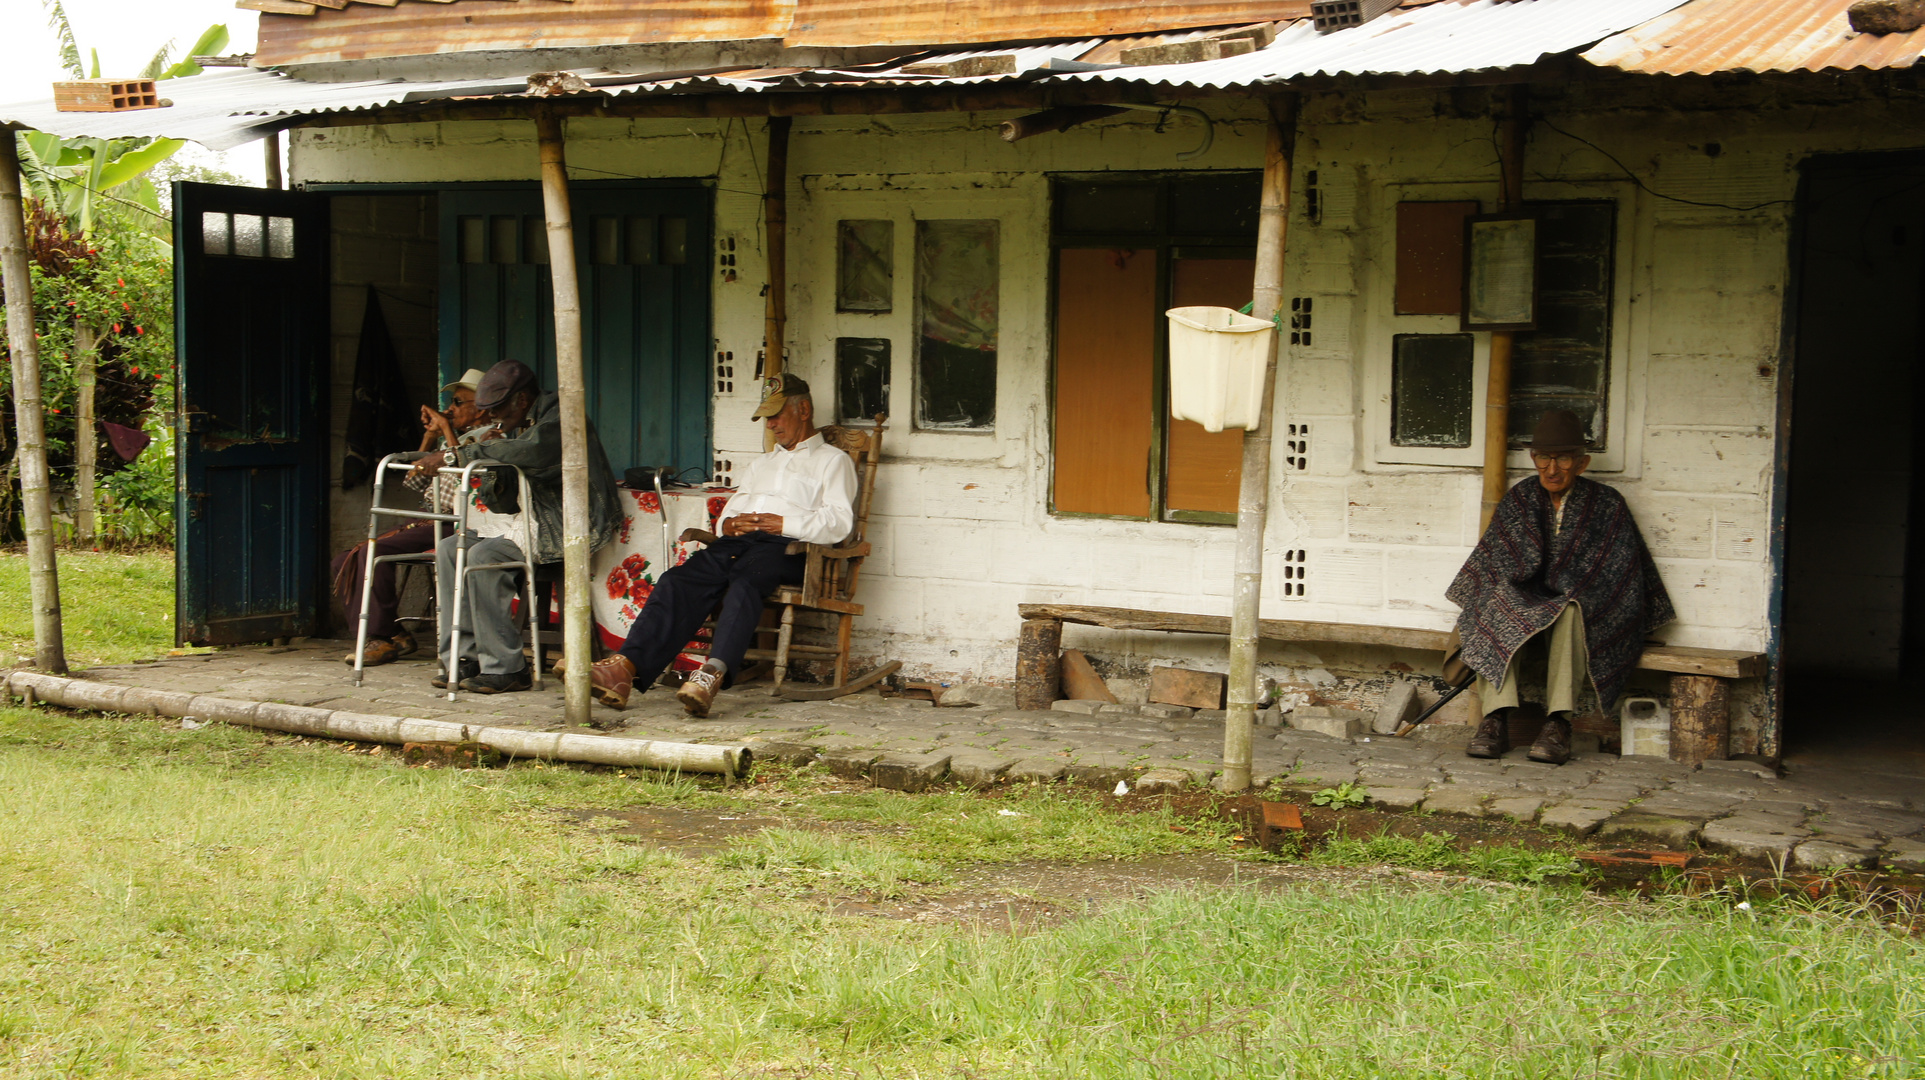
{"x": 1562, "y": 461}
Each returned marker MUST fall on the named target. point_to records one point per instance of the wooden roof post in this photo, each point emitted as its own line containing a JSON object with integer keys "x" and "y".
{"x": 1253, "y": 492}
{"x": 577, "y": 624}
{"x": 1497, "y": 390}
{"x": 43, "y": 575}
{"x": 775, "y": 229}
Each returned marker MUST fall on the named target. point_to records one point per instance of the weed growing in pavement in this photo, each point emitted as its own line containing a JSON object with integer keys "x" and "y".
{"x": 1342, "y": 797}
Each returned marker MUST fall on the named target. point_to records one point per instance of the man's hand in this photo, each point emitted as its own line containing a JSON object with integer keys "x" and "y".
{"x": 748, "y": 523}
{"x": 427, "y": 466}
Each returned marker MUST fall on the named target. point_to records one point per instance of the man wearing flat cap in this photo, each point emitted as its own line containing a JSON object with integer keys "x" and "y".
{"x": 1561, "y": 566}
{"x": 530, "y": 425}
{"x": 804, "y": 490}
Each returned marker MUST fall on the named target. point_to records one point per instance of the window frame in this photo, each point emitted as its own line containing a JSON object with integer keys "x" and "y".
{"x": 1168, "y": 246}
{"x": 1381, "y": 330}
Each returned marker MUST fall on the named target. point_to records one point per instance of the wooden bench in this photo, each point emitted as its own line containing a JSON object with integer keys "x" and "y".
{"x": 1700, "y": 678}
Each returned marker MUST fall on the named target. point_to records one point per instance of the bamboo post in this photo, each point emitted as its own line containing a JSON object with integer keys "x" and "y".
{"x": 1497, "y": 391}
{"x": 775, "y": 226}
{"x": 577, "y": 616}
{"x": 43, "y": 574}
{"x": 1253, "y": 491}
{"x": 86, "y": 441}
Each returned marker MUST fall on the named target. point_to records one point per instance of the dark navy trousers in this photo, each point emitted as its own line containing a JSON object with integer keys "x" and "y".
{"x": 739, "y": 571}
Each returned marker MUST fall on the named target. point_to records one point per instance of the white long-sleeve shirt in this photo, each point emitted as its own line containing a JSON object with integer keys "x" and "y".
{"x": 812, "y": 486}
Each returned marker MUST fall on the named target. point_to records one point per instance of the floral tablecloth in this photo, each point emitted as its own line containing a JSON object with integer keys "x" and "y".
{"x": 625, "y": 571}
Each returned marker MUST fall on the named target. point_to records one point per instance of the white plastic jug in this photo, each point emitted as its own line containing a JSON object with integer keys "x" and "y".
{"x": 1644, "y": 725}
{"x": 1217, "y": 358}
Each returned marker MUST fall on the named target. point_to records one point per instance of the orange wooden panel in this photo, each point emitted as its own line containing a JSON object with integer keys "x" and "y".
{"x": 1430, "y": 257}
{"x": 1106, "y": 326}
{"x": 1204, "y": 468}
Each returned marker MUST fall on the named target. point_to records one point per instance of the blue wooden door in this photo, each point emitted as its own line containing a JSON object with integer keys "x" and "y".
{"x": 642, "y": 253}
{"x": 251, "y": 334}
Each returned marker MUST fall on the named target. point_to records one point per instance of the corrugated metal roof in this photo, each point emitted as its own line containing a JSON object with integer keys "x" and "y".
{"x": 1707, "y": 36}
{"x": 361, "y": 32}
{"x": 1451, "y": 36}
{"x": 854, "y": 23}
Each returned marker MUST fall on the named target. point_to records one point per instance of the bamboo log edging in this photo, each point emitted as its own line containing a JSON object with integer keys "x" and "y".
{"x": 727, "y": 759}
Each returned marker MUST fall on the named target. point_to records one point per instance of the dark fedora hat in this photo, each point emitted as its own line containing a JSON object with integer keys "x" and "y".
{"x": 1559, "y": 431}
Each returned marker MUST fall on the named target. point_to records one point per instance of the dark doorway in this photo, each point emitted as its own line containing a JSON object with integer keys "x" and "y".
{"x": 1854, "y": 575}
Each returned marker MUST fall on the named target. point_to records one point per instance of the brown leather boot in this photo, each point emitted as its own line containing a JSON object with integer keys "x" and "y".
{"x": 698, "y": 693}
{"x": 1553, "y": 745}
{"x": 610, "y": 680}
{"x": 1493, "y": 737}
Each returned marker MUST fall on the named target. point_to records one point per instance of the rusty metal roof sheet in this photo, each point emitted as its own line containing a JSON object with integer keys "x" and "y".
{"x": 1449, "y": 36}
{"x": 363, "y": 32}
{"x": 852, "y": 23}
{"x": 1708, "y": 36}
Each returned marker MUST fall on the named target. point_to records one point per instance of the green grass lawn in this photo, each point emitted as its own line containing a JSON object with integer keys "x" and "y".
{"x": 221, "y": 903}
{"x": 114, "y": 608}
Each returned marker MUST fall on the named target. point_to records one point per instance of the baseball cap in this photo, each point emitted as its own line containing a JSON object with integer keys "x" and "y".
{"x": 776, "y": 392}
{"x": 503, "y": 381}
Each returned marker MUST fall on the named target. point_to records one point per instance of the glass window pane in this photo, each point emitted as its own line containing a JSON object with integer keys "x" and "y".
{"x": 1102, "y": 209}
{"x": 865, "y": 265}
{"x": 250, "y": 235}
{"x": 472, "y": 238}
{"x": 1565, "y": 362}
{"x": 534, "y": 240}
{"x": 862, "y": 378}
{"x": 958, "y": 318}
{"x": 1431, "y": 390}
{"x": 641, "y": 240}
{"x": 605, "y": 241}
{"x": 280, "y": 238}
{"x": 216, "y": 234}
{"x": 501, "y": 238}
{"x": 1224, "y": 204}
{"x": 674, "y": 241}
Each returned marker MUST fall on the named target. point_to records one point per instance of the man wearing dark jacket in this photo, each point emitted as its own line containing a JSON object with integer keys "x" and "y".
{"x": 1562, "y": 561}
{"x": 530, "y": 423}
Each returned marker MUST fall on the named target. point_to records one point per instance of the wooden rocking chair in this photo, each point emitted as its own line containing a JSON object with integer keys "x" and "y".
{"x": 828, "y": 582}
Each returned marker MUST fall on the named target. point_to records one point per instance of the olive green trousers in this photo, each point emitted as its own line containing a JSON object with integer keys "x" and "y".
{"x": 1567, "y": 667}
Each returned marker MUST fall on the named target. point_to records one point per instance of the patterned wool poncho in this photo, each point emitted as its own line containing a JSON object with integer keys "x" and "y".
{"x": 1519, "y": 577}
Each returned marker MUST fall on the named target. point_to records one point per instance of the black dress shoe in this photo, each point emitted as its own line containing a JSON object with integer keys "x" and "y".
{"x": 507, "y": 682}
{"x": 1493, "y": 737}
{"x": 467, "y": 669}
{"x": 1553, "y": 745}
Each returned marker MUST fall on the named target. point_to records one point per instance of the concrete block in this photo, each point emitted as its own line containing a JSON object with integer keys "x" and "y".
{"x": 1163, "y": 782}
{"x": 1446, "y": 737}
{"x": 1522, "y": 808}
{"x": 1575, "y": 819}
{"x": 1336, "y": 723}
{"x": 1906, "y": 855}
{"x": 1751, "y": 839}
{"x": 1742, "y": 767}
{"x": 1396, "y": 798}
{"x": 1188, "y": 688}
{"x": 1100, "y": 770}
{"x": 784, "y": 750}
{"x": 1824, "y": 855}
{"x": 1454, "y": 799}
{"x": 978, "y": 768}
{"x": 1164, "y": 712}
{"x": 1398, "y": 707}
{"x": 1638, "y": 827}
{"x": 1086, "y": 708}
{"x": 1130, "y": 691}
{"x": 1036, "y": 771}
{"x": 909, "y": 772}
{"x": 851, "y": 764}
{"x": 965, "y": 694}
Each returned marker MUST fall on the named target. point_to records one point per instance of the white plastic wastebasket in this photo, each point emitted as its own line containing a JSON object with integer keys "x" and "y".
{"x": 1217, "y": 358}
{"x": 1644, "y": 727}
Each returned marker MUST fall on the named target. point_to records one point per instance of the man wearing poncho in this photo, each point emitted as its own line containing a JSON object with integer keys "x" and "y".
{"x": 1561, "y": 561}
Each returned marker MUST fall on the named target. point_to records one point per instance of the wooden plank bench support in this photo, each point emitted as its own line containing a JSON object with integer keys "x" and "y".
{"x": 1700, "y": 678}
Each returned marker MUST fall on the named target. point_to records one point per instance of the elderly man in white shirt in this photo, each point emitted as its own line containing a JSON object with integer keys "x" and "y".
{"x": 803, "y": 490}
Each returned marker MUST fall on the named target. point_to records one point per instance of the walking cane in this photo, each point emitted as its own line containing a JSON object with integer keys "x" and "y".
{"x": 1469, "y": 678}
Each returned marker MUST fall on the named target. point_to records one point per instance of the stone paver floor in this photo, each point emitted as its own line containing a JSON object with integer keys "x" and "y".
{"x": 1736, "y": 807}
